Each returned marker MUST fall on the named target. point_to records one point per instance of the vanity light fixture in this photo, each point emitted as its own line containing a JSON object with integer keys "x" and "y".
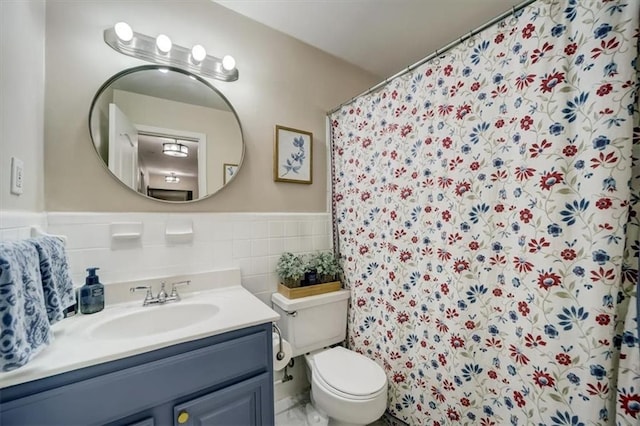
{"x": 175, "y": 149}
{"x": 162, "y": 51}
{"x": 172, "y": 178}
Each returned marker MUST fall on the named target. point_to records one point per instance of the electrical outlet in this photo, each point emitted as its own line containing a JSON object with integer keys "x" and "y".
{"x": 17, "y": 176}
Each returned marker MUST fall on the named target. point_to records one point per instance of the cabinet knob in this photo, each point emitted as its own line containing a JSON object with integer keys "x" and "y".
{"x": 183, "y": 417}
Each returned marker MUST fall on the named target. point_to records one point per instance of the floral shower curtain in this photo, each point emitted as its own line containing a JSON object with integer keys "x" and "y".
{"x": 486, "y": 209}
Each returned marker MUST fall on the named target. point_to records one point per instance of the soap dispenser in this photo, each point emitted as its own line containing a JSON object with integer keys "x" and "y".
{"x": 91, "y": 293}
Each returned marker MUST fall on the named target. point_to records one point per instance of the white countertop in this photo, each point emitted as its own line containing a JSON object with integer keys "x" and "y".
{"x": 74, "y": 346}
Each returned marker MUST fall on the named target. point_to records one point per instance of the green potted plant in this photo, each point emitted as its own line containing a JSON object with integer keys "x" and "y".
{"x": 290, "y": 269}
{"x": 326, "y": 266}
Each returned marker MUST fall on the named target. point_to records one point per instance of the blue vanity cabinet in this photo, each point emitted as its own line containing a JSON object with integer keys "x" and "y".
{"x": 220, "y": 380}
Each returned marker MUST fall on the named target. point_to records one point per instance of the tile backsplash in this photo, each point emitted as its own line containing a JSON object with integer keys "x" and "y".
{"x": 251, "y": 241}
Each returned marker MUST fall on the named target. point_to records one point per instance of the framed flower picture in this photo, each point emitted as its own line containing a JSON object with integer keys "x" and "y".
{"x": 292, "y": 156}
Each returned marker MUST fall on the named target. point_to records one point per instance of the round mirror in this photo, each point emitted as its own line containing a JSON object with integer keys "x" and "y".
{"x": 166, "y": 133}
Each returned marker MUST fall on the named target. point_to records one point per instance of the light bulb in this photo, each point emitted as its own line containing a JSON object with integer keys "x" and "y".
{"x": 228, "y": 63}
{"x": 163, "y": 43}
{"x": 198, "y": 53}
{"x": 123, "y": 31}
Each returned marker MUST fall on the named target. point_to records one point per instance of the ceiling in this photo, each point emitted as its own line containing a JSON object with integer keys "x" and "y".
{"x": 380, "y": 36}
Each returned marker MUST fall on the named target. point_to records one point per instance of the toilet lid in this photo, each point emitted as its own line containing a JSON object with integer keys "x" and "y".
{"x": 349, "y": 372}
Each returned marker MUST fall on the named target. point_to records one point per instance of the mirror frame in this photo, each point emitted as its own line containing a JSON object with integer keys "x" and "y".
{"x": 127, "y": 71}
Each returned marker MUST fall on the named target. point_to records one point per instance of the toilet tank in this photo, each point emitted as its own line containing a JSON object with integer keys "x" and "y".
{"x": 312, "y": 322}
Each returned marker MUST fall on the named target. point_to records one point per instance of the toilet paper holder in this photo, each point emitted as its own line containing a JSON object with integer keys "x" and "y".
{"x": 280, "y": 353}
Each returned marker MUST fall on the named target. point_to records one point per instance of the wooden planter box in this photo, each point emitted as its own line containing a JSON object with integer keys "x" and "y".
{"x": 310, "y": 290}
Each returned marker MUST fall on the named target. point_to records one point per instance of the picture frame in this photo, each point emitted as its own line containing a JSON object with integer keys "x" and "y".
{"x": 293, "y": 155}
{"x": 228, "y": 171}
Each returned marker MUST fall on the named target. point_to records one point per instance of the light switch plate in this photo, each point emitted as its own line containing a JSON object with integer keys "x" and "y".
{"x": 17, "y": 176}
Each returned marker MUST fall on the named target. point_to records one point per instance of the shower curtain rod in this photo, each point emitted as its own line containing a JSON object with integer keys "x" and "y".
{"x": 438, "y": 52}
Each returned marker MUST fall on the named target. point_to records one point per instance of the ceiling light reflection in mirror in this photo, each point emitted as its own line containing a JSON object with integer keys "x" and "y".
{"x": 151, "y": 122}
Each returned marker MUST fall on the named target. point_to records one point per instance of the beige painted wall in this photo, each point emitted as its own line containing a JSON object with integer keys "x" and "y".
{"x": 282, "y": 81}
{"x": 22, "y": 101}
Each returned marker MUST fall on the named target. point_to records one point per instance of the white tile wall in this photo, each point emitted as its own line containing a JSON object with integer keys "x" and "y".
{"x": 251, "y": 241}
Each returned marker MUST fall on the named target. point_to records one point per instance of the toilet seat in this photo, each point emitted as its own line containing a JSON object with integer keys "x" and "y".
{"x": 348, "y": 374}
{"x": 328, "y": 389}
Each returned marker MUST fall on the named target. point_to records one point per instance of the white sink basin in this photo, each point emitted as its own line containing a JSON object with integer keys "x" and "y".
{"x": 154, "y": 320}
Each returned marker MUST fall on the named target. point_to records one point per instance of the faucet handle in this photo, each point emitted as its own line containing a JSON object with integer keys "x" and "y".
{"x": 147, "y": 296}
{"x": 174, "y": 290}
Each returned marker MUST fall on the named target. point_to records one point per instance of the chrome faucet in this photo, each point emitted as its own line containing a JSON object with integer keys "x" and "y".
{"x": 162, "y": 296}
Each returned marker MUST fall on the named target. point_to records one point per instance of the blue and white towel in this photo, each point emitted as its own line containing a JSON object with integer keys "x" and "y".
{"x": 24, "y": 325}
{"x": 56, "y": 282}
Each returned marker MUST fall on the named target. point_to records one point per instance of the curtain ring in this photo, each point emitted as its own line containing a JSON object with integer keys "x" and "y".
{"x": 436, "y": 59}
{"x": 408, "y": 72}
{"x": 514, "y": 19}
{"x": 470, "y": 39}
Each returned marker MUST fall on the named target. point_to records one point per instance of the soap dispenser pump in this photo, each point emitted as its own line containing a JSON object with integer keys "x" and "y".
{"x": 91, "y": 293}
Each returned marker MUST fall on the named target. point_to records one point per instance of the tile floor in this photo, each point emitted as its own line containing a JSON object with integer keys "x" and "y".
{"x": 296, "y": 415}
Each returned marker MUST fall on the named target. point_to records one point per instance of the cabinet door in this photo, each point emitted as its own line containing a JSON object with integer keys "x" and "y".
{"x": 242, "y": 404}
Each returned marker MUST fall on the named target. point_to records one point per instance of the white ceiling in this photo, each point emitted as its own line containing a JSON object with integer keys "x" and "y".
{"x": 380, "y": 36}
{"x": 156, "y": 163}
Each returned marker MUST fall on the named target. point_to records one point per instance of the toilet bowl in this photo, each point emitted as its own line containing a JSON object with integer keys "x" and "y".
{"x": 350, "y": 388}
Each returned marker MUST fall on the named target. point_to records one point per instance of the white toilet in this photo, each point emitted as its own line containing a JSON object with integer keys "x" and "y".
{"x": 350, "y": 388}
